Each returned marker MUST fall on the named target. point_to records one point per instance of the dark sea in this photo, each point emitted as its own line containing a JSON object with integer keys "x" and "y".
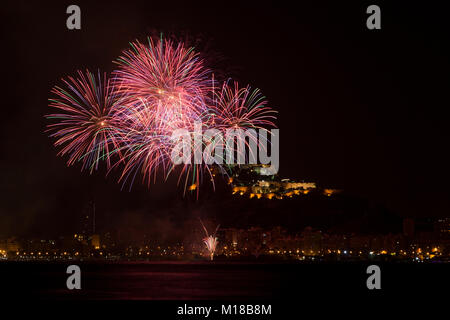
{"x": 211, "y": 280}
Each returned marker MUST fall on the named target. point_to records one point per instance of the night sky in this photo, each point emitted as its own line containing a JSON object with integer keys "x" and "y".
{"x": 361, "y": 110}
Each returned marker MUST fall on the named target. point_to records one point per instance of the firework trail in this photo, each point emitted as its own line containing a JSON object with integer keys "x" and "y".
{"x": 164, "y": 76}
{"x": 85, "y": 127}
{"x": 240, "y": 108}
{"x": 165, "y": 88}
{"x": 236, "y": 107}
{"x": 210, "y": 241}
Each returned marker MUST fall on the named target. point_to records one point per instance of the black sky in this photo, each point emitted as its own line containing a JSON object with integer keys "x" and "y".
{"x": 361, "y": 110}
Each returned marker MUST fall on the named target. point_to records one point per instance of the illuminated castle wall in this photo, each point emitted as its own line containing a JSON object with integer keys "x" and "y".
{"x": 249, "y": 180}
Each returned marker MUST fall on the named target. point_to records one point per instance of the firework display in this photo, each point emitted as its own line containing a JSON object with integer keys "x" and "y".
{"x": 84, "y": 122}
{"x": 128, "y": 121}
{"x": 210, "y": 241}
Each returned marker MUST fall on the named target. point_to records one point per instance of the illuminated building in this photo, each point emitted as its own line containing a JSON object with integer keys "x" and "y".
{"x": 442, "y": 227}
{"x": 95, "y": 241}
{"x": 252, "y": 181}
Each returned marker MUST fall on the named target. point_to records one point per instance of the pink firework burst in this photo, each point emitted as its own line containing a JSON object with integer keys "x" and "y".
{"x": 85, "y": 127}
